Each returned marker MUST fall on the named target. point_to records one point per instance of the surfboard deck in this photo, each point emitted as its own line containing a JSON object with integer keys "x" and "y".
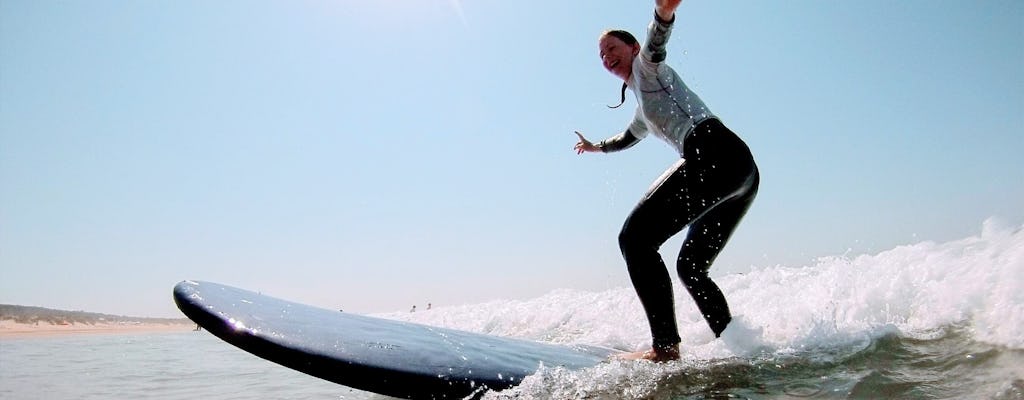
{"x": 393, "y": 358}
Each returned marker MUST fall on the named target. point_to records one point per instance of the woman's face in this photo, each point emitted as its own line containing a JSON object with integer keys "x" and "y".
{"x": 617, "y": 56}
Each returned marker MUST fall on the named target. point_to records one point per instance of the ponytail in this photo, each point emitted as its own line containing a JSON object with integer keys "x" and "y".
{"x": 623, "y": 99}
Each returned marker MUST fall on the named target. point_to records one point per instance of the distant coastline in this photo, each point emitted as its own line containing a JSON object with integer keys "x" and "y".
{"x": 27, "y": 321}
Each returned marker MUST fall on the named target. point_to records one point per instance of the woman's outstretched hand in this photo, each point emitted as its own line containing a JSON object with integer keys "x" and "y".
{"x": 584, "y": 145}
{"x": 666, "y": 9}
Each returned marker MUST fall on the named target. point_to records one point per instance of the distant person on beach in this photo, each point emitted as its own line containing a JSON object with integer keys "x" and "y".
{"x": 413, "y": 309}
{"x": 709, "y": 189}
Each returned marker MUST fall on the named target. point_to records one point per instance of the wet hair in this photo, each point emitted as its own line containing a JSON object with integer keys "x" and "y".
{"x": 630, "y": 40}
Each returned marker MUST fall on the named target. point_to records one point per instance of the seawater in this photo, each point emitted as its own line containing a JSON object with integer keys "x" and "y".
{"x": 922, "y": 321}
{"x": 183, "y": 365}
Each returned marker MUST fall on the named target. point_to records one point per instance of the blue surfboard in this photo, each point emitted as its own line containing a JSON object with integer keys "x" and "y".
{"x": 393, "y": 358}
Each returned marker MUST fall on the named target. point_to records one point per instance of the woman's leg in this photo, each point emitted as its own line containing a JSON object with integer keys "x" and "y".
{"x": 724, "y": 181}
{"x": 658, "y": 216}
{"x": 704, "y": 240}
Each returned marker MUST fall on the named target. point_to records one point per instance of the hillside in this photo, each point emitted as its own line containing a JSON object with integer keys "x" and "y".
{"x": 40, "y": 315}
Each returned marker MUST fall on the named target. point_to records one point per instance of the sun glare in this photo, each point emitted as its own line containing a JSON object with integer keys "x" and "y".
{"x": 457, "y": 5}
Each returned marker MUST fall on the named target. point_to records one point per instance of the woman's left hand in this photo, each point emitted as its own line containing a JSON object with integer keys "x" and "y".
{"x": 666, "y": 9}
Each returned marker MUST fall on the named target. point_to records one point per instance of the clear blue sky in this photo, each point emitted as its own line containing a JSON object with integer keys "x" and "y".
{"x": 374, "y": 154}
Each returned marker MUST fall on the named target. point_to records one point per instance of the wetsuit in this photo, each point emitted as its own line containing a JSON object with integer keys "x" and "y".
{"x": 709, "y": 189}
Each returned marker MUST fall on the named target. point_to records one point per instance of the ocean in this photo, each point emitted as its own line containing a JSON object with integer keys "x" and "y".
{"x": 922, "y": 321}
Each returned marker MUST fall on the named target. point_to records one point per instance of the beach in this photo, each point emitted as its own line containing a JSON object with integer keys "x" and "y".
{"x": 15, "y": 330}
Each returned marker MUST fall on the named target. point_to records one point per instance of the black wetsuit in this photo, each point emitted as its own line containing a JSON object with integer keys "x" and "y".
{"x": 709, "y": 192}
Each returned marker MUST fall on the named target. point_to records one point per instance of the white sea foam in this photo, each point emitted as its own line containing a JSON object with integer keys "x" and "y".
{"x": 918, "y": 290}
{"x": 975, "y": 284}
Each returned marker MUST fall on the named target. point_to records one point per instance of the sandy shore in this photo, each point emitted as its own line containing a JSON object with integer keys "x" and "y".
{"x": 12, "y": 330}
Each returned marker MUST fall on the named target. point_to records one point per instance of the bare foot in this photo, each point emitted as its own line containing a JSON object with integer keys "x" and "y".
{"x": 654, "y": 354}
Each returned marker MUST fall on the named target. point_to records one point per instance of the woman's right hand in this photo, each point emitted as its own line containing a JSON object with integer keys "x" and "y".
{"x": 584, "y": 145}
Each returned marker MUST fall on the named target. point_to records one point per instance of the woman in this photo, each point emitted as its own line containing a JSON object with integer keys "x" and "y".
{"x": 709, "y": 189}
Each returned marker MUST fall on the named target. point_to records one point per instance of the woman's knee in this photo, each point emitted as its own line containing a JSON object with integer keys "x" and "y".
{"x": 627, "y": 239}
{"x": 634, "y": 242}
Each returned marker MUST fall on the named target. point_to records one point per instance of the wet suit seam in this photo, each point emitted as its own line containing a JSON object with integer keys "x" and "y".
{"x": 671, "y": 97}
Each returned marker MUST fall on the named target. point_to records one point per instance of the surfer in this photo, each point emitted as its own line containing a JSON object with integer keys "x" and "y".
{"x": 709, "y": 189}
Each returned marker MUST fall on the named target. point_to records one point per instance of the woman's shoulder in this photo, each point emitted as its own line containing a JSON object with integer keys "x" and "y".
{"x": 646, "y": 69}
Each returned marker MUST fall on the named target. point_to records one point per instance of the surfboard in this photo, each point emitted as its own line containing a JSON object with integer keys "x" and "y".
{"x": 388, "y": 357}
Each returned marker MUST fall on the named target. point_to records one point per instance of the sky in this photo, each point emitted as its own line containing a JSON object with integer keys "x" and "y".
{"x": 370, "y": 155}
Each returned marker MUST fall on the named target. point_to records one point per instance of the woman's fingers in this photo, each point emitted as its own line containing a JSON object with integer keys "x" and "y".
{"x": 583, "y": 145}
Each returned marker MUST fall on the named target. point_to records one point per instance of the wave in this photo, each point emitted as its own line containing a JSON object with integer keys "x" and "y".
{"x": 916, "y": 291}
{"x": 953, "y": 312}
